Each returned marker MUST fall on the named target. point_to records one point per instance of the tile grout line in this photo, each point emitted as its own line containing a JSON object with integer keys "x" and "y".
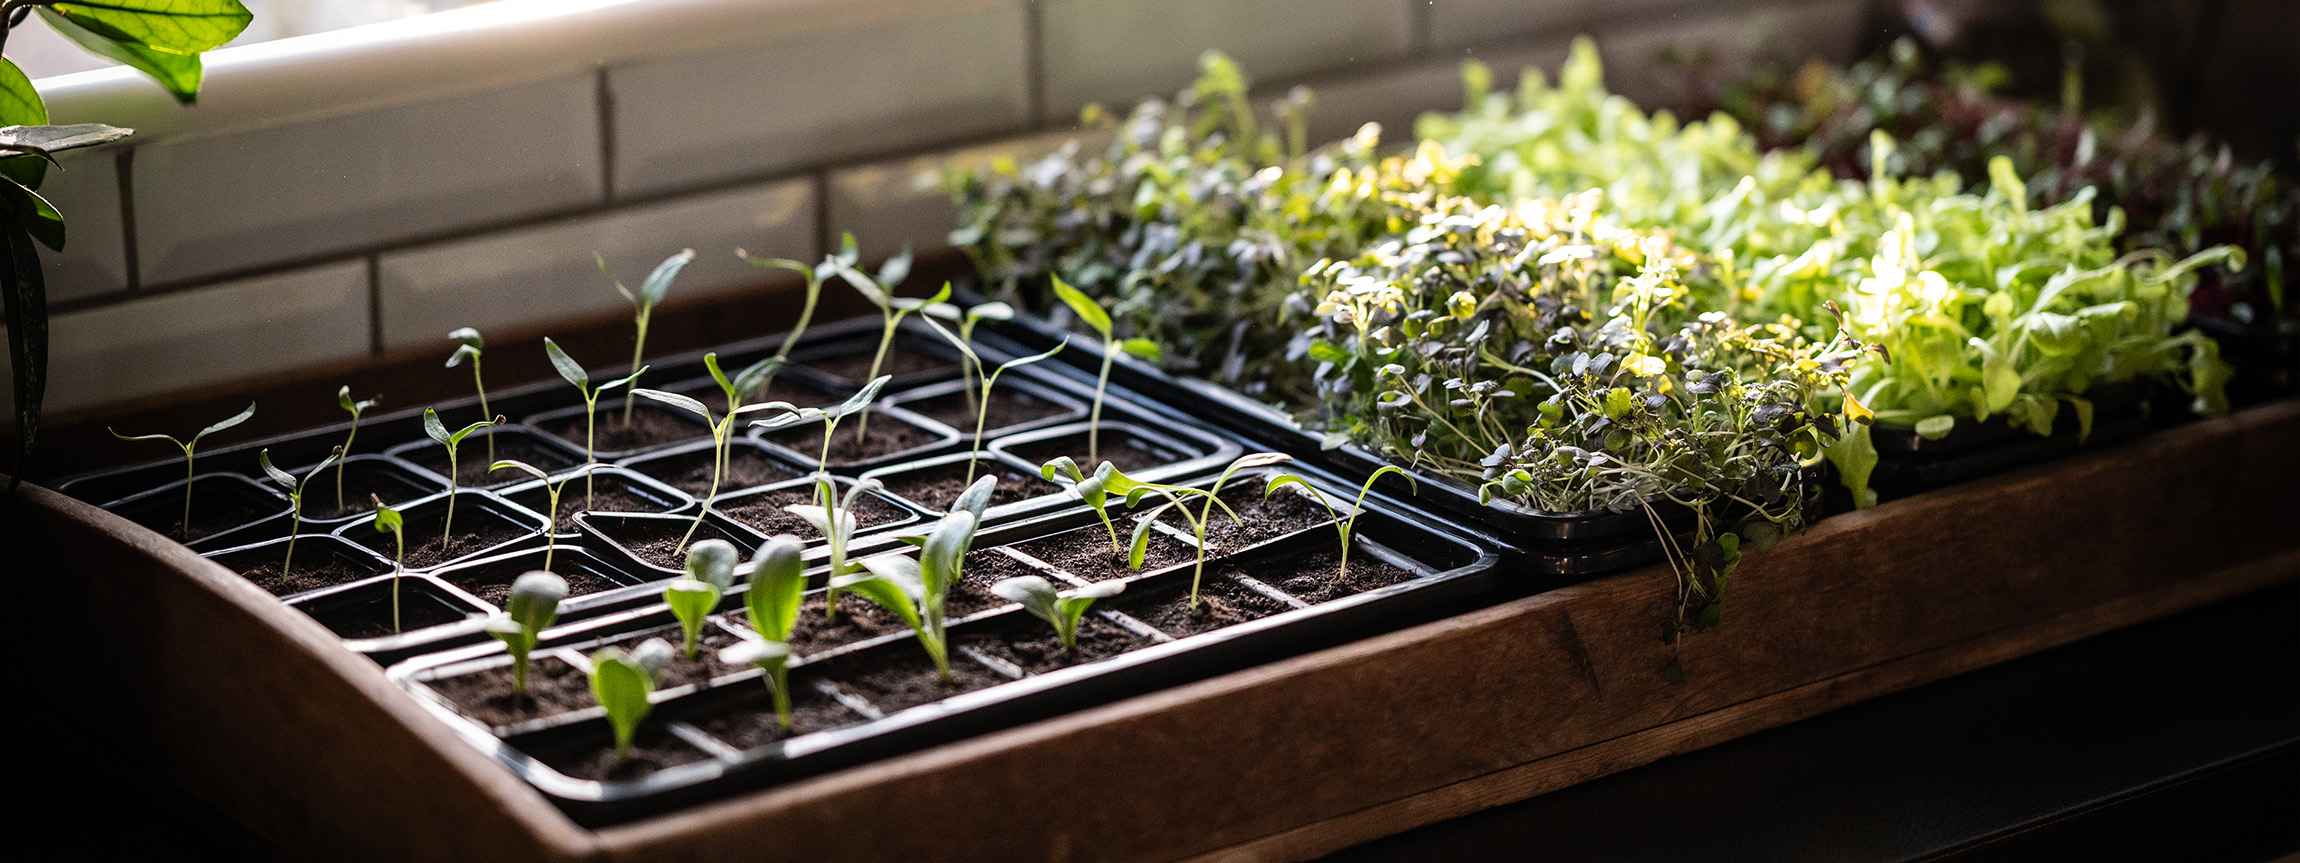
{"x": 124, "y": 169}
{"x": 604, "y": 95}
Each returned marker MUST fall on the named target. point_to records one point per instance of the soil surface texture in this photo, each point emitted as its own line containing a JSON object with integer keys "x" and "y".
{"x": 690, "y": 472}
{"x": 493, "y": 582}
{"x": 656, "y": 540}
{"x": 1131, "y": 454}
{"x": 703, "y": 667}
{"x": 985, "y": 567}
{"x": 476, "y": 530}
{"x": 553, "y": 687}
{"x": 854, "y": 368}
{"x": 936, "y": 487}
{"x": 592, "y": 757}
{"x": 895, "y": 680}
{"x": 361, "y": 479}
{"x": 1085, "y": 552}
{"x": 611, "y": 493}
{"x": 368, "y": 615}
{"x": 1259, "y": 518}
{"x": 1008, "y": 408}
{"x": 317, "y": 564}
{"x": 471, "y": 459}
{"x": 651, "y": 426}
{"x": 1037, "y": 651}
{"x": 1221, "y": 602}
{"x": 746, "y": 719}
{"x": 1319, "y": 579}
{"x": 888, "y": 436}
{"x": 858, "y": 619}
{"x": 765, "y": 511}
{"x": 216, "y": 507}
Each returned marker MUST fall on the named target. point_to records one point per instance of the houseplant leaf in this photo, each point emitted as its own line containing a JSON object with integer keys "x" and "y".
{"x": 175, "y": 26}
{"x": 179, "y": 72}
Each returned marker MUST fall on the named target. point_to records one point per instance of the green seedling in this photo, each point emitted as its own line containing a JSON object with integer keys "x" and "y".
{"x": 550, "y": 513}
{"x": 814, "y": 276}
{"x": 451, "y": 440}
{"x": 388, "y": 520}
{"x": 1094, "y": 490}
{"x": 741, "y": 388}
{"x": 778, "y": 583}
{"x": 1091, "y": 313}
{"x": 835, "y": 519}
{"x": 623, "y": 681}
{"x": 891, "y": 309}
{"x": 710, "y": 573}
{"x": 1175, "y": 495}
{"x": 355, "y": 408}
{"x": 970, "y": 369}
{"x": 1344, "y": 526}
{"x": 1039, "y": 597}
{"x": 468, "y": 345}
{"x": 573, "y": 373}
{"x": 829, "y": 417}
{"x": 194, "y": 443}
{"x": 914, "y": 588}
{"x": 643, "y": 303}
{"x": 294, "y": 489}
{"x": 533, "y": 605}
{"x": 973, "y": 364}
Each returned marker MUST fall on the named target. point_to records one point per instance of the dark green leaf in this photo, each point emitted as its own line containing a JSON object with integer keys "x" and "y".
{"x": 179, "y": 72}
{"x": 31, "y": 212}
{"x": 568, "y": 368}
{"x": 20, "y": 105}
{"x": 264, "y": 460}
{"x": 778, "y": 582}
{"x": 24, "y": 296}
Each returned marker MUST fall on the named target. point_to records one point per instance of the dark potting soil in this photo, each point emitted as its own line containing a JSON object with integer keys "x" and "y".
{"x": 1131, "y": 454}
{"x": 553, "y": 687}
{"x": 747, "y": 720}
{"x": 657, "y": 540}
{"x": 493, "y": 583}
{"x": 471, "y": 459}
{"x": 765, "y": 511}
{"x": 592, "y": 757}
{"x": 1007, "y": 408}
{"x": 1037, "y": 651}
{"x": 1085, "y": 552}
{"x": 362, "y": 479}
{"x": 778, "y": 389}
{"x": 855, "y": 368}
{"x": 887, "y": 436}
{"x": 611, "y": 493}
{"x": 316, "y": 565}
{"x": 475, "y": 530}
{"x": 899, "y": 680}
{"x": 216, "y": 507}
{"x": 1259, "y": 518}
{"x": 985, "y": 567}
{"x": 1320, "y": 581}
{"x": 1221, "y": 602}
{"x": 690, "y": 472}
{"x": 936, "y": 487}
{"x": 704, "y": 666}
{"x": 858, "y": 619}
{"x": 369, "y": 614}
{"x": 650, "y": 426}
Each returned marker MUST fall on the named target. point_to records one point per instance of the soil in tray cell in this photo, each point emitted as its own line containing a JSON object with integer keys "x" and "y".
{"x": 858, "y": 619}
{"x": 1085, "y": 552}
{"x": 366, "y": 611}
{"x": 609, "y": 493}
{"x": 1038, "y": 651}
{"x": 765, "y": 511}
{"x": 778, "y": 389}
{"x": 476, "y": 530}
{"x": 855, "y": 368}
{"x": 1131, "y": 454}
{"x": 1320, "y": 578}
{"x": 985, "y": 567}
{"x": 938, "y": 486}
{"x": 1259, "y": 518}
{"x": 395, "y": 485}
{"x": 902, "y": 679}
{"x": 471, "y": 459}
{"x": 746, "y": 720}
{"x": 705, "y": 664}
{"x": 318, "y": 563}
{"x": 592, "y": 756}
{"x": 1221, "y": 602}
{"x": 218, "y": 505}
{"x": 887, "y": 436}
{"x": 650, "y": 426}
{"x": 492, "y": 581}
{"x": 1007, "y": 408}
{"x": 690, "y": 472}
{"x": 656, "y": 540}
{"x": 553, "y": 687}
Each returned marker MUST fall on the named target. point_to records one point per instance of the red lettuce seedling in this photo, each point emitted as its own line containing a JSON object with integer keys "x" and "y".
{"x": 294, "y": 489}
{"x": 188, "y": 447}
{"x": 533, "y": 606}
{"x": 1038, "y": 596}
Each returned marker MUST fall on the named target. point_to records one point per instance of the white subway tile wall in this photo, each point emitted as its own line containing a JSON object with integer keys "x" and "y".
{"x": 482, "y": 207}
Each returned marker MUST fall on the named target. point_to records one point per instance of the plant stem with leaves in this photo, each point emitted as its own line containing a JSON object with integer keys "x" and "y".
{"x": 643, "y": 303}
{"x": 468, "y": 344}
{"x": 188, "y": 447}
{"x": 573, "y": 373}
{"x": 294, "y": 489}
{"x": 451, "y": 440}
{"x": 355, "y": 408}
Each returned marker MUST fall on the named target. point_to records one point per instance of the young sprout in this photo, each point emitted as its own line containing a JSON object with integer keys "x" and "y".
{"x": 829, "y": 417}
{"x": 835, "y": 520}
{"x": 387, "y": 520}
{"x": 814, "y": 276}
{"x": 1119, "y": 483}
{"x": 572, "y": 372}
{"x": 972, "y": 362}
{"x": 643, "y": 303}
{"x": 450, "y": 440}
{"x": 1344, "y": 526}
{"x": 1038, "y": 597}
{"x": 468, "y": 345}
{"x": 741, "y": 388}
{"x": 294, "y": 488}
{"x": 623, "y": 682}
{"x": 1091, "y": 489}
{"x": 891, "y": 309}
{"x": 533, "y": 605}
{"x": 778, "y": 582}
{"x": 710, "y": 572}
{"x": 1091, "y": 313}
{"x": 188, "y": 447}
{"x": 343, "y": 398}
{"x": 550, "y": 513}
{"x": 914, "y": 589}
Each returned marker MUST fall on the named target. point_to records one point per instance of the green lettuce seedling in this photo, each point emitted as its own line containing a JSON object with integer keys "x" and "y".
{"x": 551, "y": 512}
{"x": 573, "y": 373}
{"x": 1344, "y": 526}
{"x": 710, "y": 572}
{"x": 468, "y": 344}
{"x": 722, "y": 427}
{"x": 643, "y": 303}
{"x": 1038, "y": 597}
{"x": 778, "y": 583}
{"x": 189, "y": 446}
{"x": 355, "y": 408}
{"x": 1090, "y": 313}
{"x": 623, "y": 681}
{"x": 294, "y": 489}
{"x": 1091, "y": 489}
{"x": 388, "y": 520}
{"x": 1135, "y": 491}
{"x": 972, "y": 364}
{"x": 914, "y": 588}
{"x": 891, "y": 309}
{"x": 533, "y": 605}
{"x": 451, "y": 440}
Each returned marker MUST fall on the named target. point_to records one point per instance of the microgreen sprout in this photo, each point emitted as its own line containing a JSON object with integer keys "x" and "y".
{"x": 355, "y": 408}
{"x": 551, "y": 512}
{"x": 294, "y": 489}
{"x": 742, "y": 387}
{"x": 778, "y": 582}
{"x": 914, "y": 588}
{"x": 891, "y": 309}
{"x": 1091, "y": 489}
{"x": 450, "y": 440}
{"x": 572, "y": 372}
{"x": 829, "y": 417}
{"x": 1039, "y": 597}
{"x": 710, "y": 572}
{"x": 1091, "y": 314}
{"x": 1342, "y": 525}
{"x": 814, "y": 276}
{"x": 643, "y": 303}
{"x": 533, "y": 605}
{"x": 972, "y": 364}
{"x": 188, "y": 447}
{"x": 622, "y": 682}
{"x": 835, "y": 520}
{"x": 1135, "y": 491}
{"x": 388, "y": 520}
{"x": 468, "y": 344}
